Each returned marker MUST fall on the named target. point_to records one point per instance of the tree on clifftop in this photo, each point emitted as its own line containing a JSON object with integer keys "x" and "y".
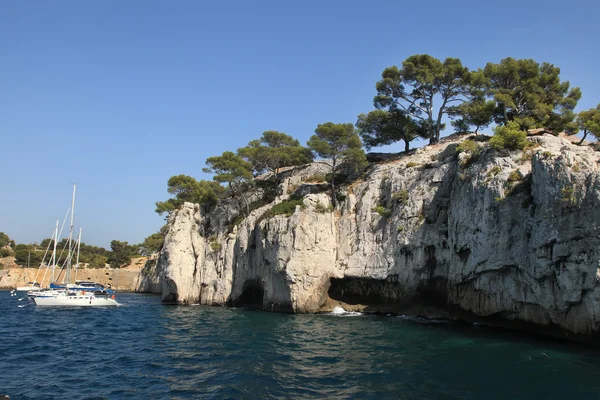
{"x": 185, "y": 188}
{"x": 339, "y": 143}
{"x": 382, "y": 127}
{"x": 27, "y": 255}
{"x": 531, "y": 94}
{"x": 422, "y": 81}
{"x": 97, "y": 261}
{"x": 5, "y": 240}
{"x": 121, "y": 253}
{"x": 152, "y": 244}
{"x": 233, "y": 170}
{"x": 275, "y": 150}
{"x": 589, "y": 122}
{"x": 475, "y": 114}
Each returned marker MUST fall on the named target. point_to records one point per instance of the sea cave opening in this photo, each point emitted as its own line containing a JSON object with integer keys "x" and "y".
{"x": 362, "y": 291}
{"x": 388, "y": 295}
{"x": 252, "y": 295}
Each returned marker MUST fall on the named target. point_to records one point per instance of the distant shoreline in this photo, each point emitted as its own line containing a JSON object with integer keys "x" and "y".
{"x": 123, "y": 279}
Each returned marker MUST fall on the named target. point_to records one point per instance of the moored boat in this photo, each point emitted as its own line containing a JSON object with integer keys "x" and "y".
{"x": 29, "y": 287}
{"x": 45, "y": 292}
{"x": 79, "y": 294}
{"x": 82, "y": 285}
{"x": 77, "y": 299}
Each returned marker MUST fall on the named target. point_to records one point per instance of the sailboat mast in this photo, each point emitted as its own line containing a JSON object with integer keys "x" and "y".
{"x": 69, "y": 254}
{"x": 54, "y": 250}
{"x": 78, "y": 247}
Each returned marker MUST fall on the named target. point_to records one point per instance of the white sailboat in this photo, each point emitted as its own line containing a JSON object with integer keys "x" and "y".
{"x": 38, "y": 290}
{"x": 30, "y": 286}
{"x": 76, "y": 299}
{"x": 71, "y": 298}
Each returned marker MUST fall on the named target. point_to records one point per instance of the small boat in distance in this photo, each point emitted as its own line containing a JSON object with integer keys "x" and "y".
{"x": 29, "y": 287}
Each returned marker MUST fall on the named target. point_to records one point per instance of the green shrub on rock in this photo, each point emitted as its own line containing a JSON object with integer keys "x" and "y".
{"x": 321, "y": 208}
{"x": 568, "y": 196}
{"x": 317, "y": 178}
{"x": 495, "y": 170}
{"x": 383, "y": 211}
{"x": 401, "y": 196}
{"x": 515, "y": 176}
{"x": 286, "y": 207}
{"x": 468, "y": 146}
{"x": 472, "y": 149}
{"x": 510, "y": 137}
{"x": 6, "y": 252}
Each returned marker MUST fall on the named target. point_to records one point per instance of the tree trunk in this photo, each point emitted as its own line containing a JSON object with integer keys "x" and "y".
{"x": 505, "y": 114}
{"x": 246, "y": 203}
{"x": 406, "y": 145}
{"x": 438, "y": 123}
{"x": 433, "y": 132}
{"x": 583, "y": 138}
{"x": 333, "y": 202}
{"x": 434, "y": 138}
{"x": 276, "y": 173}
{"x": 240, "y": 193}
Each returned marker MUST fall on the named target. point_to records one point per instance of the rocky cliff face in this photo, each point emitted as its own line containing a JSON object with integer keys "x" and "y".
{"x": 510, "y": 238}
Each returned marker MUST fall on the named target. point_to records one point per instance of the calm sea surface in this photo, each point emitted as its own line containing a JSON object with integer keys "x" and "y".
{"x": 145, "y": 350}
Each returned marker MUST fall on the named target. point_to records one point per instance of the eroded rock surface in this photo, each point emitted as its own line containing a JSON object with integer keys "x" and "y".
{"x": 508, "y": 236}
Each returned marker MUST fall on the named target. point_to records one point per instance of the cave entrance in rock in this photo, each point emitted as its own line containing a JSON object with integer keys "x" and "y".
{"x": 252, "y": 295}
{"x": 388, "y": 295}
{"x": 361, "y": 291}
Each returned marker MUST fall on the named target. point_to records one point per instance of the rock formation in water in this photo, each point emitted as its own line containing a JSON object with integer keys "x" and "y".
{"x": 512, "y": 238}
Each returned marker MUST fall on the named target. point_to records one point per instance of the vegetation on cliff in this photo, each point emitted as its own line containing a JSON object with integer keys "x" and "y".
{"x": 185, "y": 188}
{"x": 340, "y": 144}
{"x": 233, "y": 170}
{"x": 412, "y": 101}
{"x": 589, "y": 122}
{"x": 412, "y": 93}
{"x": 273, "y": 151}
{"x": 5, "y": 241}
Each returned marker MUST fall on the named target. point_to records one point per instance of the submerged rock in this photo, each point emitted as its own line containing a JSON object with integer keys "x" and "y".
{"x": 509, "y": 237}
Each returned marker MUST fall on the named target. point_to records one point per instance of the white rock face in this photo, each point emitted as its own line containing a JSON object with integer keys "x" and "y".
{"x": 510, "y": 236}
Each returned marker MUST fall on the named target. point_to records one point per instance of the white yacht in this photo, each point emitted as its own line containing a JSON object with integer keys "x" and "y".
{"x": 85, "y": 297}
{"x": 30, "y": 287}
{"x": 76, "y": 299}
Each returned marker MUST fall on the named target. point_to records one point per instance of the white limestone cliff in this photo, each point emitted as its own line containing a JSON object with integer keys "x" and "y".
{"x": 510, "y": 237}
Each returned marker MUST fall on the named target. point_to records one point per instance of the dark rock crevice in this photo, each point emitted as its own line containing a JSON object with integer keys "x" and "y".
{"x": 389, "y": 295}
{"x": 252, "y": 295}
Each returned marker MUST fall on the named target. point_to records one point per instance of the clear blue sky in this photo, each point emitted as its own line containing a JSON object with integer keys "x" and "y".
{"x": 118, "y": 96}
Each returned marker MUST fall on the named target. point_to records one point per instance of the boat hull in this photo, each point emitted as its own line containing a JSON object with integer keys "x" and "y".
{"x": 86, "y": 300}
{"x": 28, "y": 288}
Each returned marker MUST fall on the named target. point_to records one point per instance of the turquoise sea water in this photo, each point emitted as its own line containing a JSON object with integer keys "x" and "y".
{"x": 146, "y": 350}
